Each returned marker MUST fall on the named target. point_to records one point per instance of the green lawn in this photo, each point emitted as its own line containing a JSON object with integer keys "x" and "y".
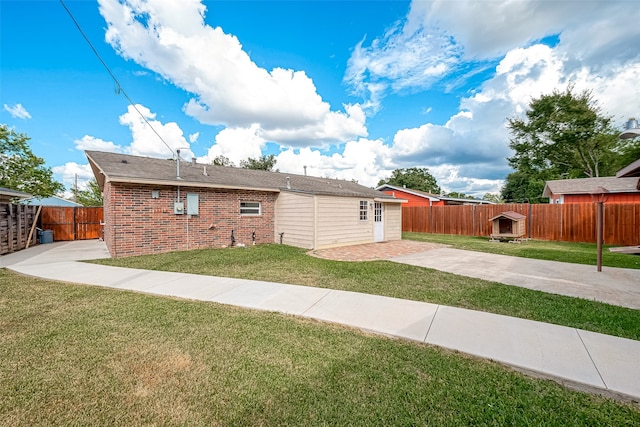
{"x": 286, "y": 264}
{"x": 82, "y": 355}
{"x": 577, "y": 253}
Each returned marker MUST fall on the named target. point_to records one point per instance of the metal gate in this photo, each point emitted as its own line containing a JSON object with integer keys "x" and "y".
{"x": 73, "y": 223}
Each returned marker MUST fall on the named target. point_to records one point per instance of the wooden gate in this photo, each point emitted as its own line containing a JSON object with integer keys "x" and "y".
{"x": 76, "y": 223}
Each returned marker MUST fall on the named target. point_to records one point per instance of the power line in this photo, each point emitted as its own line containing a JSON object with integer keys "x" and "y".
{"x": 118, "y": 86}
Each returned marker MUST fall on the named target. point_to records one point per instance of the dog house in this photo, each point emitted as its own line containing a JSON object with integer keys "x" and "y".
{"x": 508, "y": 226}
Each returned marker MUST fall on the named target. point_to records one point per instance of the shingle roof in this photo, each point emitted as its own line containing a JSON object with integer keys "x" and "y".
{"x": 431, "y": 196}
{"x": 146, "y": 170}
{"x": 515, "y": 216}
{"x": 410, "y": 191}
{"x": 589, "y": 185}
{"x": 630, "y": 170}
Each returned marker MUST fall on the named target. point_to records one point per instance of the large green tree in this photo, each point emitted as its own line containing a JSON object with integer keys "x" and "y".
{"x": 267, "y": 163}
{"x": 22, "y": 170}
{"x": 222, "y": 161}
{"x": 92, "y": 196}
{"x": 413, "y": 178}
{"x": 563, "y": 135}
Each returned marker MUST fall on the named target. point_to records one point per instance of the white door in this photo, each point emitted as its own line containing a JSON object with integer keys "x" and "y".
{"x": 378, "y": 223}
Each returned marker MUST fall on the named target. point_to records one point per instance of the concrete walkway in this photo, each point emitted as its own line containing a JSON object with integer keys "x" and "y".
{"x": 582, "y": 359}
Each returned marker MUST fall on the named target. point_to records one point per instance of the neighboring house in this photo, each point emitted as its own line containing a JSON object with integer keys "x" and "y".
{"x": 8, "y": 196}
{"x": 622, "y": 188}
{"x": 630, "y": 171}
{"x": 421, "y": 198}
{"x": 49, "y": 201}
{"x": 151, "y": 206}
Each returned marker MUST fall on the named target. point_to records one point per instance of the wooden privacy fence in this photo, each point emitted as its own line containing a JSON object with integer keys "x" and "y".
{"x": 569, "y": 223}
{"x": 74, "y": 223}
{"x": 15, "y": 227}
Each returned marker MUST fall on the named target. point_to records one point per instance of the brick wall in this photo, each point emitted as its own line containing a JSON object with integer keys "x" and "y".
{"x": 137, "y": 224}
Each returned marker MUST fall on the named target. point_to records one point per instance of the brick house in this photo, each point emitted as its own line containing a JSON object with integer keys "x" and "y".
{"x": 156, "y": 205}
{"x": 421, "y": 198}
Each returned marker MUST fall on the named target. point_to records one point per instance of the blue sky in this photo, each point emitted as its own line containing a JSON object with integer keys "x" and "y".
{"x": 351, "y": 89}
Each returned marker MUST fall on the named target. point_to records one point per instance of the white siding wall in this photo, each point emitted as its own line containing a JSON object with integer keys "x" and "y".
{"x": 295, "y": 217}
{"x": 392, "y": 221}
{"x": 339, "y": 222}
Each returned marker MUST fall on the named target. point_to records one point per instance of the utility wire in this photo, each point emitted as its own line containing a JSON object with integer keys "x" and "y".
{"x": 118, "y": 86}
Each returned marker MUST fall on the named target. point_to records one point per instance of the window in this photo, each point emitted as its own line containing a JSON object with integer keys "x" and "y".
{"x": 249, "y": 208}
{"x": 364, "y": 210}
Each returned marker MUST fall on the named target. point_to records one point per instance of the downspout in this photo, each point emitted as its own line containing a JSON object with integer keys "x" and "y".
{"x": 115, "y": 230}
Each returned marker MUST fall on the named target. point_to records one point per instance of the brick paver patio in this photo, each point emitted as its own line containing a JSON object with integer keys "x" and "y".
{"x": 374, "y": 251}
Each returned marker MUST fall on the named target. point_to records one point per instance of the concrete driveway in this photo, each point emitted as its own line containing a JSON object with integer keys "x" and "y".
{"x": 618, "y": 286}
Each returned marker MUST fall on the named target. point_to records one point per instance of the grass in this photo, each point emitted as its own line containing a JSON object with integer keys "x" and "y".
{"x": 286, "y": 264}
{"x": 80, "y": 355}
{"x": 577, "y": 253}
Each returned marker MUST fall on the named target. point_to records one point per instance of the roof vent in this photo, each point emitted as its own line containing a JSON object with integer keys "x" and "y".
{"x": 193, "y": 161}
{"x": 124, "y": 161}
{"x": 288, "y": 183}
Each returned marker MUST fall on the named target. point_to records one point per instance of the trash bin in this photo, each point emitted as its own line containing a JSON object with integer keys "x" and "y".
{"x": 45, "y": 236}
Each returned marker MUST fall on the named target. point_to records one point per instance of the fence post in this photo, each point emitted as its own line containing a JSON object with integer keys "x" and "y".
{"x": 474, "y": 220}
{"x": 529, "y": 219}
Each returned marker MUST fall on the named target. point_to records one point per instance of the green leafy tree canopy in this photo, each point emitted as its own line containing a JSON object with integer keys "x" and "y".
{"x": 493, "y": 197}
{"x": 22, "y": 170}
{"x": 563, "y": 132}
{"x": 459, "y": 195}
{"x": 92, "y": 196}
{"x": 267, "y": 163}
{"x": 563, "y": 135}
{"x": 222, "y": 161}
{"x": 413, "y": 178}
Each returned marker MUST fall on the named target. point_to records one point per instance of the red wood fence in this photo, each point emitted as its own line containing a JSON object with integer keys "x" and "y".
{"x": 569, "y": 223}
{"x": 75, "y": 223}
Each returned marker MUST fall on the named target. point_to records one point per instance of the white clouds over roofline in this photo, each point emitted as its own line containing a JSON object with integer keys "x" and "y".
{"x": 171, "y": 38}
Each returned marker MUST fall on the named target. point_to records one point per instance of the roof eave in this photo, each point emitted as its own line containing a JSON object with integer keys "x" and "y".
{"x": 193, "y": 184}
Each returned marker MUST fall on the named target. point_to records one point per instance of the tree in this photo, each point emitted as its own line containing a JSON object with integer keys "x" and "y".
{"x": 92, "y": 196}
{"x": 458, "y": 195}
{"x": 524, "y": 187}
{"x": 266, "y": 163}
{"x": 413, "y": 178}
{"x": 628, "y": 151}
{"x": 222, "y": 161}
{"x": 493, "y": 197}
{"x": 564, "y": 135}
{"x": 20, "y": 169}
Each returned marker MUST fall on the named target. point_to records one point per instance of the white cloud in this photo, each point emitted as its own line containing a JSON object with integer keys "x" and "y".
{"x": 468, "y": 153}
{"x": 17, "y": 111}
{"x": 408, "y": 56}
{"x": 236, "y": 144}
{"x": 146, "y": 133}
{"x": 364, "y": 160}
{"x": 92, "y": 143}
{"x": 193, "y": 138}
{"x": 68, "y": 173}
{"x": 171, "y": 38}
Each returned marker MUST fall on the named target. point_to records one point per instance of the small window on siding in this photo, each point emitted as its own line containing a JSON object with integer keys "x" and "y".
{"x": 250, "y": 208}
{"x": 364, "y": 210}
